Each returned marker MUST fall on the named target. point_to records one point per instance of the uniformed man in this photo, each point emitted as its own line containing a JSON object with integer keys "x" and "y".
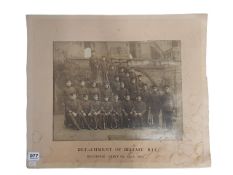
{"x": 127, "y": 111}
{"x": 104, "y": 69}
{"x": 106, "y": 112}
{"x": 71, "y": 112}
{"x": 133, "y": 89}
{"x": 85, "y": 111}
{"x": 168, "y": 107}
{"x": 93, "y": 90}
{"x": 126, "y": 80}
{"x": 139, "y": 112}
{"x": 155, "y": 105}
{"x": 123, "y": 91}
{"x": 116, "y": 85}
{"x": 139, "y": 82}
{"x": 111, "y": 73}
{"x": 82, "y": 89}
{"x": 96, "y": 111}
{"x": 121, "y": 73}
{"x": 68, "y": 91}
{"x": 93, "y": 63}
{"x": 106, "y": 91}
{"x": 146, "y": 95}
{"x": 116, "y": 117}
{"x": 132, "y": 74}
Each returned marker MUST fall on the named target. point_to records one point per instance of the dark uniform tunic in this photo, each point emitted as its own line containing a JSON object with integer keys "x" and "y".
{"x": 93, "y": 91}
{"x": 67, "y": 92}
{"x": 133, "y": 89}
{"x": 139, "y": 107}
{"x": 82, "y": 90}
{"x": 167, "y": 109}
{"x": 140, "y": 84}
{"x": 117, "y": 107}
{"x": 84, "y": 109}
{"x": 117, "y": 118}
{"x": 106, "y": 109}
{"x": 139, "y": 113}
{"x": 106, "y": 92}
{"x": 104, "y": 70}
{"x": 155, "y": 105}
{"x": 93, "y": 63}
{"x": 127, "y": 109}
{"x": 95, "y": 117}
{"x": 122, "y": 93}
{"x": 111, "y": 74}
{"x": 96, "y": 106}
{"x": 116, "y": 86}
{"x": 145, "y": 94}
{"x": 121, "y": 75}
{"x": 126, "y": 80}
{"x": 71, "y": 113}
{"x": 107, "y": 106}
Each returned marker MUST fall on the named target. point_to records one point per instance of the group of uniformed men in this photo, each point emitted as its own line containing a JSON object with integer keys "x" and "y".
{"x": 122, "y": 101}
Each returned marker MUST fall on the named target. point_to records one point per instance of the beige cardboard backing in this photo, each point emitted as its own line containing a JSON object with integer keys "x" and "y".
{"x": 191, "y": 151}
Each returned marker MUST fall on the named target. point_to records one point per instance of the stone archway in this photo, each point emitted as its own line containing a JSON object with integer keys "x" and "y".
{"x": 145, "y": 75}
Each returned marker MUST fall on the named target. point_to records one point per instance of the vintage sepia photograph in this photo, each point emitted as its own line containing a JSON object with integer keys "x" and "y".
{"x": 121, "y": 91}
{"x": 129, "y": 90}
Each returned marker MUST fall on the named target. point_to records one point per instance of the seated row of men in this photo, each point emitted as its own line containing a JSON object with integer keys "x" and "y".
{"x": 98, "y": 114}
{"x": 97, "y": 110}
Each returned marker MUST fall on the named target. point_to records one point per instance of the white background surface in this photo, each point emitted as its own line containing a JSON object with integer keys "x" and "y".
{"x": 13, "y": 76}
